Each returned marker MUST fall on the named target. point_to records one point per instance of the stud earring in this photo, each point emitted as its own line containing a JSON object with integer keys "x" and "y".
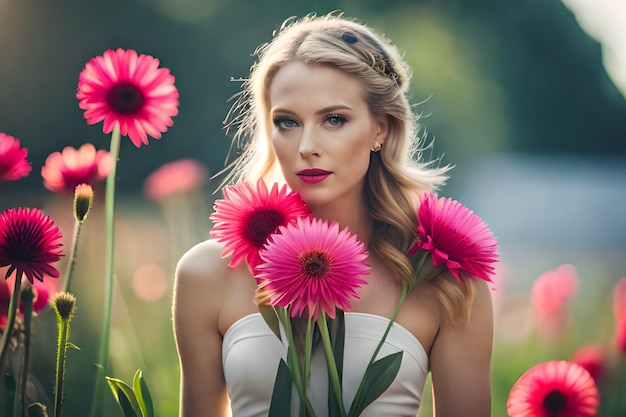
{"x": 377, "y": 147}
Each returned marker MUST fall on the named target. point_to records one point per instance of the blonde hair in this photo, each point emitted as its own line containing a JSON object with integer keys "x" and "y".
{"x": 397, "y": 174}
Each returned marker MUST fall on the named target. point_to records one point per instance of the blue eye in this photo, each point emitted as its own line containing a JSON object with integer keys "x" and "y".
{"x": 285, "y": 123}
{"x": 336, "y": 120}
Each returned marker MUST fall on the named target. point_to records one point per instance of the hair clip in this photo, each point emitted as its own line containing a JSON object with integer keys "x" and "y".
{"x": 349, "y": 37}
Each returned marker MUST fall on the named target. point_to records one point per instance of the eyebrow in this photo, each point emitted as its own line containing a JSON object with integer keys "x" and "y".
{"x": 325, "y": 110}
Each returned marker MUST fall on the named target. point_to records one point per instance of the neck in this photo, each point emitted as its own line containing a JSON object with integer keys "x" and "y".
{"x": 357, "y": 221}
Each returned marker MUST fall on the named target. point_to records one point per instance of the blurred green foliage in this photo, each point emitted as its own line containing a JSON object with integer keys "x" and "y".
{"x": 490, "y": 75}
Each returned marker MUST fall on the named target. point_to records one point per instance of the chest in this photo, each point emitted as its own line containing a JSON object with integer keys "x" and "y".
{"x": 380, "y": 296}
{"x": 251, "y": 353}
{"x": 419, "y": 312}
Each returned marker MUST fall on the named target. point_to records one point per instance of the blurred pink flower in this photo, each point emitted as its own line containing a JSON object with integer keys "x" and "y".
{"x": 123, "y": 87}
{"x": 620, "y": 337}
{"x": 312, "y": 267}
{"x": 248, "y": 215}
{"x": 592, "y": 358}
{"x": 30, "y": 243}
{"x": 42, "y": 295}
{"x": 456, "y": 237}
{"x": 549, "y": 296}
{"x": 175, "y": 177}
{"x": 42, "y": 291}
{"x": 13, "y": 163}
{"x": 554, "y": 389}
{"x": 63, "y": 171}
{"x": 5, "y": 299}
{"x": 619, "y": 299}
{"x": 619, "y": 308}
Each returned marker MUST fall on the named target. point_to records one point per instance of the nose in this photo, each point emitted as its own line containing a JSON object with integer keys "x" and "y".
{"x": 309, "y": 145}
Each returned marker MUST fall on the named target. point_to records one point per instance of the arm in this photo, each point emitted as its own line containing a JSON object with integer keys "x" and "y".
{"x": 196, "y": 306}
{"x": 460, "y": 361}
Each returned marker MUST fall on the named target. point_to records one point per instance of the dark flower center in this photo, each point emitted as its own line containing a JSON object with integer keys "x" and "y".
{"x": 554, "y": 402}
{"x": 125, "y": 98}
{"x": 260, "y": 224}
{"x": 315, "y": 264}
{"x": 22, "y": 243}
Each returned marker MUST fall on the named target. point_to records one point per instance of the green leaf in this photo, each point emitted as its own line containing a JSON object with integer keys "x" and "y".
{"x": 143, "y": 394}
{"x": 126, "y": 404}
{"x": 72, "y": 345}
{"x": 125, "y": 397}
{"x": 280, "y": 404}
{"x": 269, "y": 315}
{"x": 378, "y": 377}
{"x": 293, "y": 367}
{"x": 9, "y": 393}
{"x": 337, "y": 340}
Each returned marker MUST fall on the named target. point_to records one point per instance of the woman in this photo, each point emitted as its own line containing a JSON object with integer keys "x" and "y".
{"x": 325, "y": 110}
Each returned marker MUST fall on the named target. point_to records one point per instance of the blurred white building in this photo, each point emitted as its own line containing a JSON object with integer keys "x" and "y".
{"x": 547, "y": 211}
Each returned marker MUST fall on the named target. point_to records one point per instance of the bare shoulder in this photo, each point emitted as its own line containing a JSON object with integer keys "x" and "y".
{"x": 199, "y": 295}
{"x": 202, "y": 262}
{"x": 461, "y": 359}
{"x": 201, "y": 278}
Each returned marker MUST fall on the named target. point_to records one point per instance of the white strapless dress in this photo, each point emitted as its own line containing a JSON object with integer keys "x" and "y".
{"x": 251, "y": 353}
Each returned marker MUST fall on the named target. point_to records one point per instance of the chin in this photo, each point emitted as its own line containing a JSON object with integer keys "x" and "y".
{"x": 315, "y": 198}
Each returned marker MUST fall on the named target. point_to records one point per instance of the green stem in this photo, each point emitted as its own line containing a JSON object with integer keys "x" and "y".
{"x": 63, "y": 326}
{"x": 108, "y": 287}
{"x": 308, "y": 346}
{"x": 406, "y": 288}
{"x": 306, "y": 366}
{"x": 20, "y": 397}
{"x": 72, "y": 260}
{"x": 283, "y": 314}
{"x": 330, "y": 360}
{"x": 12, "y": 313}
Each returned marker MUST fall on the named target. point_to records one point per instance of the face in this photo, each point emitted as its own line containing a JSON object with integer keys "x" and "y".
{"x": 323, "y": 132}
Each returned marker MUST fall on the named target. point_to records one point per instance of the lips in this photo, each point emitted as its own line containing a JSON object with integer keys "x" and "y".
{"x": 313, "y": 175}
{"x": 313, "y": 171}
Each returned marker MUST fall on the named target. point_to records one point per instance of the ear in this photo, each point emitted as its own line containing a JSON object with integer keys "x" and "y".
{"x": 383, "y": 128}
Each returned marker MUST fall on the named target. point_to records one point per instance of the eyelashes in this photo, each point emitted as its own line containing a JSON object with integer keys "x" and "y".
{"x": 336, "y": 120}
{"x": 284, "y": 123}
{"x": 332, "y": 121}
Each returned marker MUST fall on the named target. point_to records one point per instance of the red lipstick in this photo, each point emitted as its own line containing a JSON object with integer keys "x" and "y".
{"x": 313, "y": 175}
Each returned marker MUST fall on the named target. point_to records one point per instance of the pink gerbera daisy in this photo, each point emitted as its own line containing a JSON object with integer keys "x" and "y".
{"x": 549, "y": 296}
{"x": 175, "y": 177}
{"x": 312, "y": 267}
{"x": 247, "y": 215}
{"x": 130, "y": 89}
{"x": 592, "y": 358}
{"x": 619, "y": 309}
{"x": 42, "y": 291}
{"x": 13, "y": 163}
{"x": 554, "y": 389}
{"x": 30, "y": 243}
{"x": 456, "y": 237}
{"x": 63, "y": 171}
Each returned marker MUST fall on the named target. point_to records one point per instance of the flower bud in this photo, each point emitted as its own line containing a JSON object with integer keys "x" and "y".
{"x": 37, "y": 410}
{"x": 64, "y": 305}
{"x": 83, "y": 201}
{"x": 27, "y": 295}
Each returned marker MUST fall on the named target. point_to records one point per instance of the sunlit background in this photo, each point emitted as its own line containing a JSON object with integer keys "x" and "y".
{"x": 525, "y": 99}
